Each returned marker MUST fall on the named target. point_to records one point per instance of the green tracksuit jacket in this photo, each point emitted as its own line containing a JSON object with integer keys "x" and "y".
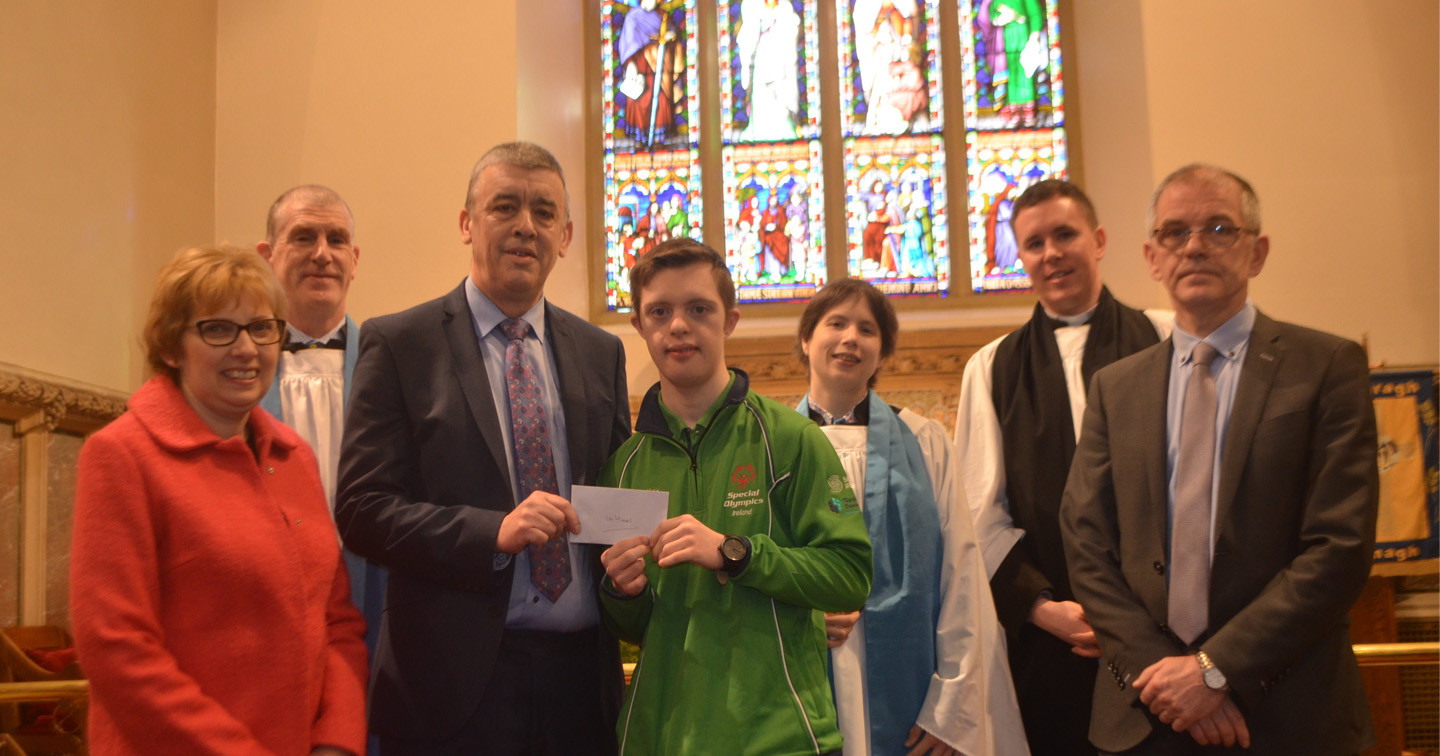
{"x": 739, "y": 668}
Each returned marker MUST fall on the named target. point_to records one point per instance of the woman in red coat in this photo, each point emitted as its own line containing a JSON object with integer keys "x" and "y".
{"x": 210, "y": 605}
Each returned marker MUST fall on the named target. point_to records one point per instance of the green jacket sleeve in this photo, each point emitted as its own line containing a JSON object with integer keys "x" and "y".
{"x": 625, "y": 616}
{"x": 819, "y": 555}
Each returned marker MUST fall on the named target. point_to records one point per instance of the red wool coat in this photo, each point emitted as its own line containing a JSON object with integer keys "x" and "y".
{"x": 208, "y": 599}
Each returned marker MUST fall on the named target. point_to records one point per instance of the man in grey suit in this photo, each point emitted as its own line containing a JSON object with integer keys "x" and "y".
{"x": 1220, "y": 511}
{"x": 470, "y": 418}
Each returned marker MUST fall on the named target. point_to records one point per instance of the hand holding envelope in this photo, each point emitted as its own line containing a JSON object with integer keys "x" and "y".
{"x": 608, "y": 515}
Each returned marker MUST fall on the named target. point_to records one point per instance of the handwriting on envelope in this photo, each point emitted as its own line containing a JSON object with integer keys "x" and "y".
{"x": 610, "y": 514}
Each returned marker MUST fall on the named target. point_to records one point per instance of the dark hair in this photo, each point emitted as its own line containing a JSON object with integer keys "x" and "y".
{"x": 839, "y": 292}
{"x": 680, "y": 253}
{"x": 1044, "y": 191}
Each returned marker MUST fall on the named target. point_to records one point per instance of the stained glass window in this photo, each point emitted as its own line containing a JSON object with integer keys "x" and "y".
{"x": 757, "y": 71}
{"x": 894, "y": 185}
{"x": 769, "y": 74}
{"x": 651, "y": 105}
{"x": 895, "y": 213}
{"x": 890, "y": 67}
{"x": 770, "y": 156}
{"x": 1014, "y": 124}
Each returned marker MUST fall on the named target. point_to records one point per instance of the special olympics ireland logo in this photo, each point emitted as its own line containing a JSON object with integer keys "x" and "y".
{"x": 743, "y": 476}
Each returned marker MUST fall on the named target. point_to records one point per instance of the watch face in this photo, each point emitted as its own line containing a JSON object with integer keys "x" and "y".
{"x": 1214, "y": 679}
{"x": 733, "y": 548}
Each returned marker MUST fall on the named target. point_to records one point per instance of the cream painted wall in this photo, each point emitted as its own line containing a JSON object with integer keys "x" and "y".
{"x": 1329, "y": 108}
{"x": 106, "y": 167}
{"x": 388, "y": 103}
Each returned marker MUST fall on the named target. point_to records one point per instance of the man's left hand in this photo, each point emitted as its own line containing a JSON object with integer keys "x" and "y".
{"x": 685, "y": 539}
{"x": 922, "y": 743}
{"x": 1174, "y": 689}
{"x": 1225, "y": 726}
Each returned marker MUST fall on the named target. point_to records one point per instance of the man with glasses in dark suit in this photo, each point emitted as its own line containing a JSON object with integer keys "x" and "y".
{"x": 1219, "y": 517}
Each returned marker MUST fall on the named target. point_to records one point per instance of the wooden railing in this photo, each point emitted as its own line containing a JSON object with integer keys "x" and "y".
{"x": 1397, "y": 654}
{"x": 50, "y": 690}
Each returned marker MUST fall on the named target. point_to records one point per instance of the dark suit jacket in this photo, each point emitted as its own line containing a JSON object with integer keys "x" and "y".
{"x": 1295, "y": 526}
{"x": 424, "y": 484}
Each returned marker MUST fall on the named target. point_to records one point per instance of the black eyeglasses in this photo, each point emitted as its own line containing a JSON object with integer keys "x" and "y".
{"x": 225, "y": 332}
{"x": 1218, "y": 236}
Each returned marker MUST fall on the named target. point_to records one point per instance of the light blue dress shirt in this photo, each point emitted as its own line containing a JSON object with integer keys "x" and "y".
{"x": 1230, "y": 342}
{"x": 577, "y": 607}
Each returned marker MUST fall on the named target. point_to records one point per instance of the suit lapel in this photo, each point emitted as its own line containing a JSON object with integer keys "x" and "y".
{"x": 569, "y": 375}
{"x": 1153, "y": 438}
{"x": 470, "y": 373}
{"x": 1257, "y": 375}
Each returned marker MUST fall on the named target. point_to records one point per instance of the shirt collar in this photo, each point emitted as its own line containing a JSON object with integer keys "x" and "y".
{"x": 1226, "y": 340}
{"x": 486, "y": 315}
{"x": 858, "y": 415}
{"x": 296, "y": 336}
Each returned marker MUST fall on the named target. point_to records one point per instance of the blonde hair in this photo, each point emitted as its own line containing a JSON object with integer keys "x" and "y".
{"x": 203, "y": 280}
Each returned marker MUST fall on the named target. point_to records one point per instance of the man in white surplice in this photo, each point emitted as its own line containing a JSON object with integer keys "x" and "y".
{"x": 310, "y": 242}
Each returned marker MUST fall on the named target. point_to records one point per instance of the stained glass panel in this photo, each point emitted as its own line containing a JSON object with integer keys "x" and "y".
{"x": 649, "y": 197}
{"x": 639, "y": 38}
{"x": 895, "y": 216}
{"x": 889, "y": 67}
{"x": 651, "y": 98}
{"x": 1002, "y": 165}
{"x": 769, "y": 74}
{"x": 1012, "y": 64}
{"x": 774, "y": 244}
{"x": 1014, "y": 124}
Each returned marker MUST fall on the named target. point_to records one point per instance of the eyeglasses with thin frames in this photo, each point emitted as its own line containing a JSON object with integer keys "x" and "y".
{"x": 224, "y": 332}
{"x": 1218, "y": 236}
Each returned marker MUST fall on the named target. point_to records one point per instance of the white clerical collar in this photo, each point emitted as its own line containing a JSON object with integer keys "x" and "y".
{"x": 1073, "y": 320}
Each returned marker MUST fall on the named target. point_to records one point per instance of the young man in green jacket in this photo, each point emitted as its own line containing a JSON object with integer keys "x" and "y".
{"x": 764, "y": 534}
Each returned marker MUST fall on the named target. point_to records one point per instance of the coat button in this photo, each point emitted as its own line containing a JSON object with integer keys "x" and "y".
{"x": 1159, "y": 568}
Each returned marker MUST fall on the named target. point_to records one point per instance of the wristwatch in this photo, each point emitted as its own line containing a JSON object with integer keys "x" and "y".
{"x": 1214, "y": 678}
{"x": 734, "y": 555}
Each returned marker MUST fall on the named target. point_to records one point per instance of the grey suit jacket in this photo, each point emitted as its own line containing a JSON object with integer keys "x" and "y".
{"x": 424, "y": 484}
{"x": 1295, "y": 526}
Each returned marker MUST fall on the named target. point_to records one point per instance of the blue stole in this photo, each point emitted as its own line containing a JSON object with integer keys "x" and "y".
{"x": 904, "y": 605}
{"x": 367, "y": 581}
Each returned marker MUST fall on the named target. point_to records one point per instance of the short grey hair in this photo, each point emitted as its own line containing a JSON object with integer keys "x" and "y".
{"x": 526, "y": 155}
{"x": 313, "y": 194}
{"x": 1204, "y": 173}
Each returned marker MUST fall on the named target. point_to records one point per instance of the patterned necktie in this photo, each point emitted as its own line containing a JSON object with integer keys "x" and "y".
{"x": 534, "y": 463}
{"x": 1189, "y": 606}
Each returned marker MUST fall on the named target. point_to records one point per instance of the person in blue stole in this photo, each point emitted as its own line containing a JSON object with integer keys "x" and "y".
{"x": 922, "y": 668}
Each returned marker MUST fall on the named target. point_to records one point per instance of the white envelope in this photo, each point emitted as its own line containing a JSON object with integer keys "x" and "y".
{"x": 608, "y": 515}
